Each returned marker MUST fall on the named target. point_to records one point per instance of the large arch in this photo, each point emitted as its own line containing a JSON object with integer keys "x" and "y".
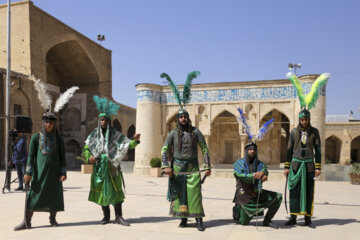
{"x": 355, "y": 150}
{"x": 272, "y": 149}
{"x": 332, "y": 149}
{"x": 224, "y": 139}
{"x": 117, "y": 125}
{"x": 72, "y": 150}
{"x": 68, "y": 64}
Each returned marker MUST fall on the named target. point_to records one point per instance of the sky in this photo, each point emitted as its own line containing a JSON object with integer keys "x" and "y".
{"x": 226, "y": 40}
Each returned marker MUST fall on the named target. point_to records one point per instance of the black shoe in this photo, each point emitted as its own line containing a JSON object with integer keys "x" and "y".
{"x": 52, "y": 218}
{"x": 199, "y": 224}
{"x": 121, "y": 220}
{"x": 183, "y": 223}
{"x": 118, "y": 215}
{"x": 19, "y": 189}
{"x": 270, "y": 224}
{"x": 292, "y": 221}
{"x": 104, "y": 221}
{"x": 308, "y": 222}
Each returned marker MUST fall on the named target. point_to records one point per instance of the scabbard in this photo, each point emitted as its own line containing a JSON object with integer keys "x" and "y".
{"x": 285, "y": 191}
{"x": 26, "y": 219}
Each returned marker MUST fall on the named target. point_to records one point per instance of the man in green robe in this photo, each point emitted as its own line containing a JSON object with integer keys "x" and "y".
{"x": 182, "y": 166}
{"x": 250, "y": 199}
{"x": 105, "y": 147}
{"x": 301, "y": 170}
{"x": 46, "y": 169}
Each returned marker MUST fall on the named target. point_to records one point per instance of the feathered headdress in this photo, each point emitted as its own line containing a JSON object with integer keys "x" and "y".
{"x": 46, "y": 101}
{"x": 308, "y": 101}
{"x": 106, "y": 107}
{"x": 186, "y": 92}
{"x": 260, "y": 134}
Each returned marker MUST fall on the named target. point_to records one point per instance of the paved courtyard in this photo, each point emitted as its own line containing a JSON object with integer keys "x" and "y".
{"x": 336, "y": 213}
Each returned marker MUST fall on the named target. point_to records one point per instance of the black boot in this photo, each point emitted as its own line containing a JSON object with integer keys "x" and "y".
{"x": 52, "y": 218}
{"x": 292, "y": 220}
{"x": 308, "y": 222}
{"x": 22, "y": 225}
{"x": 106, "y": 212}
{"x": 269, "y": 215}
{"x": 118, "y": 215}
{"x": 199, "y": 224}
{"x": 183, "y": 222}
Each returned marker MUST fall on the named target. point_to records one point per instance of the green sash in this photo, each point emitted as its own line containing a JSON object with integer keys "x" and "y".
{"x": 294, "y": 179}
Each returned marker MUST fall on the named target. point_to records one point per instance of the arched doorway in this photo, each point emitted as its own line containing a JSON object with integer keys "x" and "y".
{"x": 355, "y": 150}
{"x": 117, "y": 125}
{"x": 72, "y": 119}
{"x": 332, "y": 149}
{"x": 272, "y": 149}
{"x": 72, "y": 150}
{"x": 130, "y": 134}
{"x": 224, "y": 139}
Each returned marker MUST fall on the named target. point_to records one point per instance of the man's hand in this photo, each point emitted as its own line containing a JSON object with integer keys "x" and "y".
{"x": 62, "y": 178}
{"x": 27, "y": 178}
{"x": 258, "y": 175}
{"x": 264, "y": 178}
{"x": 286, "y": 172}
{"x": 317, "y": 172}
{"x": 137, "y": 137}
{"x": 208, "y": 172}
{"x": 92, "y": 159}
{"x": 169, "y": 172}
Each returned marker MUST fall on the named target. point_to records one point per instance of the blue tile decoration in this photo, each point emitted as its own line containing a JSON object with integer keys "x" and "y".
{"x": 228, "y": 95}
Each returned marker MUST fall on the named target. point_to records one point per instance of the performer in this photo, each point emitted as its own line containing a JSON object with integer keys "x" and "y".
{"x": 250, "y": 199}
{"x": 105, "y": 147}
{"x": 19, "y": 158}
{"x": 299, "y": 166}
{"x": 46, "y": 165}
{"x": 182, "y": 166}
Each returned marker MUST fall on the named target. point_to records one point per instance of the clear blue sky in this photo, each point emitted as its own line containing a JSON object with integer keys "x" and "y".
{"x": 227, "y": 40}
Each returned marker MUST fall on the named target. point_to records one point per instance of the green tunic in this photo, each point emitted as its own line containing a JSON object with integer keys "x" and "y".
{"x": 106, "y": 179}
{"x": 184, "y": 191}
{"x": 303, "y": 147}
{"x": 46, "y": 164}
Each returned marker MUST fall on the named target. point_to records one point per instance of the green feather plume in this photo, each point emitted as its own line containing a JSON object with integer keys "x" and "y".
{"x": 295, "y": 81}
{"x": 101, "y": 103}
{"x": 173, "y": 88}
{"x": 312, "y": 96}
{"x": 187, "y": 87}
{"x": 112, "y": 109}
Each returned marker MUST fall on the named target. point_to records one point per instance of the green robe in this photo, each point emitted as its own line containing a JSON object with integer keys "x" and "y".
{"x": 46, "y": 164}
{"x": 106, "y": 179}
{"x": 184, "y": 191}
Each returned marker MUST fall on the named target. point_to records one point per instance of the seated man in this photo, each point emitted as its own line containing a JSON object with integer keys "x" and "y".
{"x": 250, "y": 199}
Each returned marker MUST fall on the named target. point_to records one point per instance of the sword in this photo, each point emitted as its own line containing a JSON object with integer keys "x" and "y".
{"x": 285, "y": 191}
{"x": 27, "y": 187}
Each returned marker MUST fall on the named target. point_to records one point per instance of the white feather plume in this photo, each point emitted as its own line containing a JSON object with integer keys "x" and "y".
{"x": 64, "y": 98}
{"x": 43, "y": 95}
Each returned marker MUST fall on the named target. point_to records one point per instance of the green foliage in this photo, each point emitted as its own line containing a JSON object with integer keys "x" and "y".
{"x": 355, "y": 169}
{"x": 82, "y": 157}
{"x": 155, "y": 162}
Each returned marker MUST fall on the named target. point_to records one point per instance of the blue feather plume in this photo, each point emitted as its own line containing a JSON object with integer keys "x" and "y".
{"x": 242, "y": 119}
{"x": 262, "y": 131}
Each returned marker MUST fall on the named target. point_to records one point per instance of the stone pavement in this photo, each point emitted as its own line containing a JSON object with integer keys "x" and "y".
{"x": 336, "y": 213}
